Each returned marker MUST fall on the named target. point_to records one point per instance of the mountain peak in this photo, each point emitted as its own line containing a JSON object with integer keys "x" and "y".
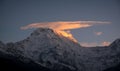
{"x": 41, "y": 30}
{"x": 117, "y": 40}
{"x": 48, "y": 31}
{"x": 115, "y": 45}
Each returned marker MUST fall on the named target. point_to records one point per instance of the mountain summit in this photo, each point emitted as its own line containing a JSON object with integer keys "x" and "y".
{"x": 52, "y": 50}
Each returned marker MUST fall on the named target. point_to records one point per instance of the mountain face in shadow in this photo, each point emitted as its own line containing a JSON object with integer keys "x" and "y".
{"x": 48, "y": 50}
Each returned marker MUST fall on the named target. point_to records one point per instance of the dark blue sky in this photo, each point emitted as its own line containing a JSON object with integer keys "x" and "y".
{"x": 17, "y": 13}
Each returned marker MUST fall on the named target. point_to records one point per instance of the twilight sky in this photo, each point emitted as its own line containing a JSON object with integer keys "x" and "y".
{"x": 15, "y": 14}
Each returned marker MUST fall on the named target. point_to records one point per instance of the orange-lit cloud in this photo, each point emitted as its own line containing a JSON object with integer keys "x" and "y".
{"x": 98, "y": 33}
{"x": 64, "y": 27}
{"x": 93, "y": 44}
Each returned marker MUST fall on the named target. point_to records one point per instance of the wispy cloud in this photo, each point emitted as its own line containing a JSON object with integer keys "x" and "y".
{"x": 106, "y": 43}
{"x": 88, "y": 44}
{"x": 98, "y": 33}
{"x": 93, "y": 44}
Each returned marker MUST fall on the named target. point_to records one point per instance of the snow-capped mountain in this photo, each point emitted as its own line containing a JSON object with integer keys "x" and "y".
{"x": 54, "y": 51}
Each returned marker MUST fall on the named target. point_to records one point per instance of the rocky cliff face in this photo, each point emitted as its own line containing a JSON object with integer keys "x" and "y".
{"x": 49, "y": 49}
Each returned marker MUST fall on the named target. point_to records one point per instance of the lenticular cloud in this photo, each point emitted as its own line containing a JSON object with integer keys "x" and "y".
{"x": 63, "y": 25}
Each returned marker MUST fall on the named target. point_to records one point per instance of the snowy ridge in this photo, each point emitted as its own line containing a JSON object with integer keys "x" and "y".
{"x": 52, "y": 50}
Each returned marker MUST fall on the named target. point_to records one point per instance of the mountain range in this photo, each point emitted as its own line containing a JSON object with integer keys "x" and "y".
{"x": 48, "y": 50}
